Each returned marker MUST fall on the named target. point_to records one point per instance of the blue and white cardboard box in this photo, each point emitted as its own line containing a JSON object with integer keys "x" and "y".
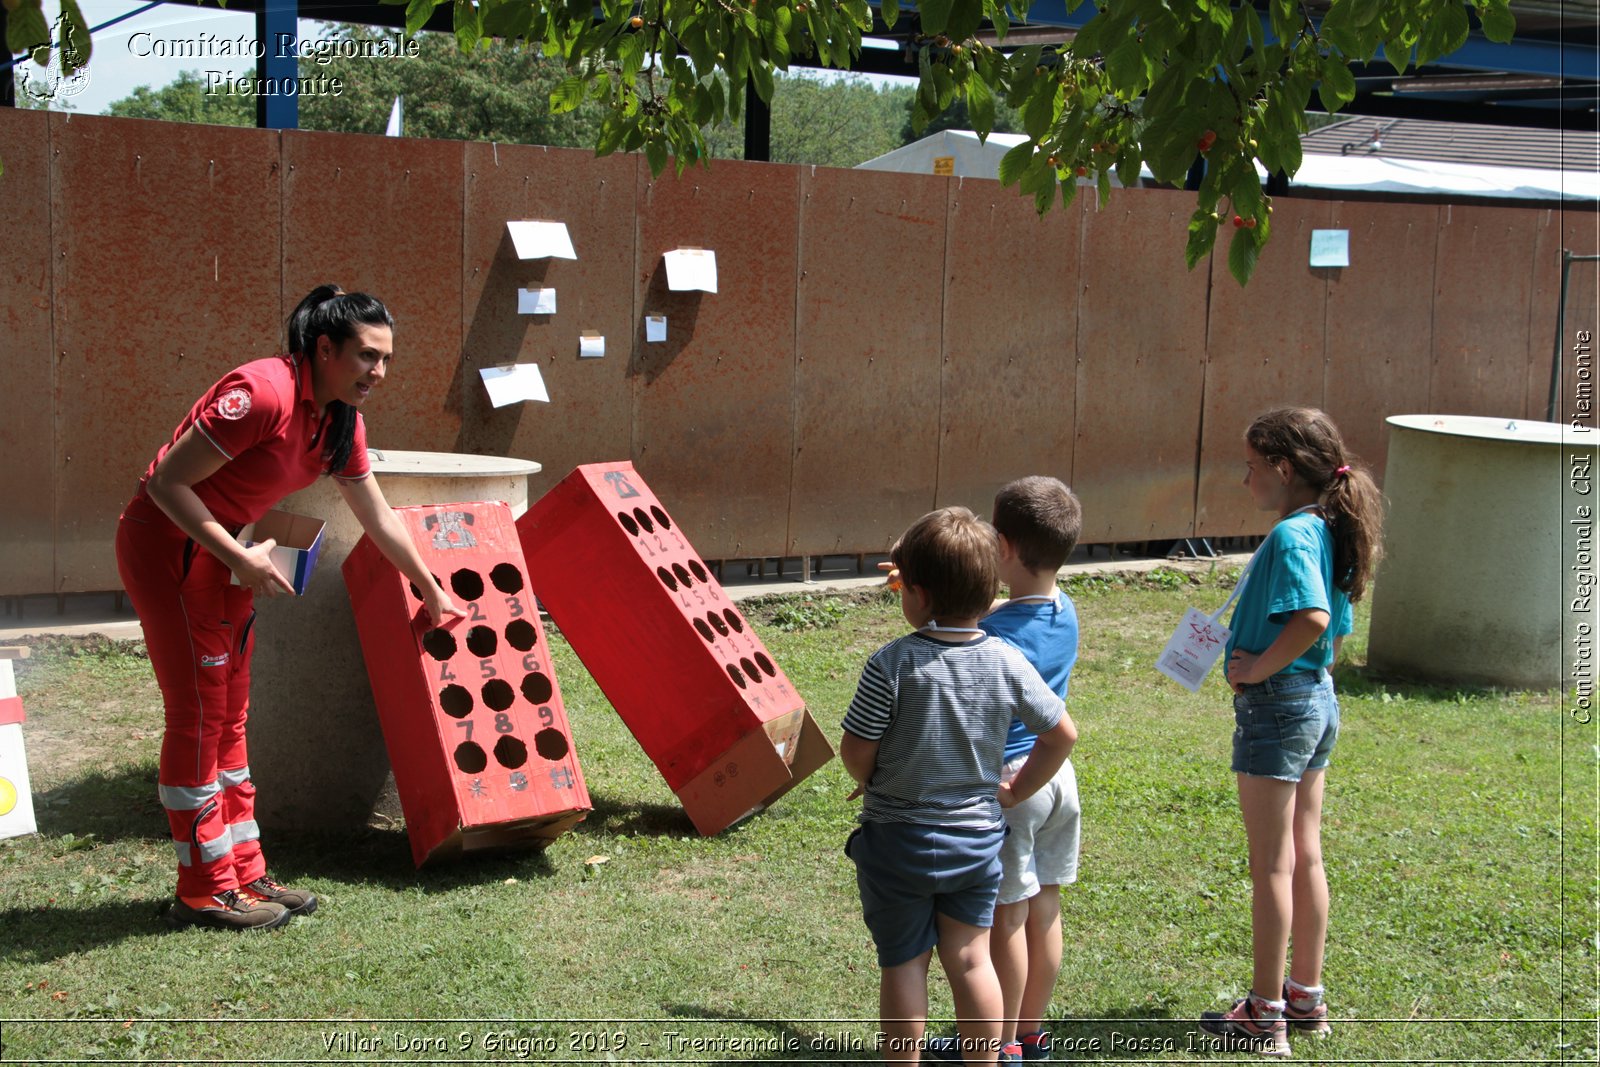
{"x": 299, "y": 542}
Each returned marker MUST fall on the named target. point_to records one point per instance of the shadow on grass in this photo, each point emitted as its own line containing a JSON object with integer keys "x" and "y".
{"x": 42, "y": 934}
{"x": 622, "y": 817}
{"x": 116, "y": 806}
{"x": 1363, "y": 681}
{"x": 373, "y": 857}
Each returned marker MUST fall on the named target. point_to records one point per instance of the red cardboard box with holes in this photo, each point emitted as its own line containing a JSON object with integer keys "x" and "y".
{"x": 471, "y": 713}
{"x": 673, "y": 655}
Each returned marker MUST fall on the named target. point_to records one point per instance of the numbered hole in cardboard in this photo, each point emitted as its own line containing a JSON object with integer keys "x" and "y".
{"x": 471, "y": 758}
{"x": 509, "y": 752}
{"x": 482, "y": 641}
{"x": 440, "y": 644}
{"x": 750, "y": 668}
{"x": 644, "y": 520}
{"x": 660, "y": 517}
{"x": 683, "y": 575}
{"x": 716, "y": 620}
{"x": 738, "y": 679}
{"x": 628, "y": 523}
{"x": 467, "y": 584}
{"x": 521, "y": 635}
{"x": 537, "y": 687}
{"x": 733, "y": 619}
{"x": 700, "y": 573}
{"x": 766, "y": 665}
{"x": 705, "y": 631}
{"x": 455, "y": 701}
{"x": 506, "y": 578}
{"x": 417, "y": 593}
{"x": 551, "y": 743}
{"x": 667, "y": 579}
{"x": 497, "y": 694}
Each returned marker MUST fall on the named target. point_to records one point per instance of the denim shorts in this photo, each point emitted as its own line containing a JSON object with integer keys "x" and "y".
{"x": 1285, "y": 726}
{"x": 908, "y": 871}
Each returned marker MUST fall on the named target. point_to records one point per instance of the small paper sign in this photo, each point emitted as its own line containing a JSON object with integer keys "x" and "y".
{"x": 536, "y": 301}
{"x": 692, "y": 268}
{"x": 1330, "y": 248}
{"x": 508, "y": 385}
{"x": 591, "y": 346}
{"x": 1193, "y": 649}
{"x": 655, "y": 329}
{"x": 539, "y": 239}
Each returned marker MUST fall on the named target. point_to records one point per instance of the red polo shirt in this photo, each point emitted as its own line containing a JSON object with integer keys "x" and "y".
{"x": 263, "y": 418}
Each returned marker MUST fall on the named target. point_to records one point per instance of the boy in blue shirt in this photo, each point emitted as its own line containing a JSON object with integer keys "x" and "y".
{"x": 1038, "y": 520}
{"x": 925, "y": 740}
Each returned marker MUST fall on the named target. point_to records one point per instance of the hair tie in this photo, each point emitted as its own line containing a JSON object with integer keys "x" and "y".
{"x": 1342, "y": 470}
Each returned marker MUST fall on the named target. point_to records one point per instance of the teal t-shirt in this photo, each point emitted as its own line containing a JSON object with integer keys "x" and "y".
{"x": 1293, "y": 572}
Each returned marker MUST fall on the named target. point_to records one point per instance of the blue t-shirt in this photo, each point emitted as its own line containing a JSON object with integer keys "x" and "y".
{"x": 1047, "y": 634}
{"x": 1293, "y": 571}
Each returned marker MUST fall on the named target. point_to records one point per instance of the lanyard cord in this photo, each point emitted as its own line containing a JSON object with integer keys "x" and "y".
{"x": 933, "y": 626}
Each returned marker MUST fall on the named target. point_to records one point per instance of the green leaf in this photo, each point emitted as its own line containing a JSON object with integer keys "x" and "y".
{"x": 965, "y": 18}
{"x": 1202, "y": 237}
{"x": 468, "y": 25}
{"x": 655, "y": 152}
{"x": 1338, "y": 85}
{"x": 1242, "y": 255}
{"x": 890, "y": 10}
{"x": 1041, "y": 109}
{"x": 1443, "y": 34}
{"x": 935, "y": 15}
{"x": 1128, "y": 68}
{"x": 1015, "y": 163}
{"x": 1103, "y": 185}
{"x": 566, "y": 96}
{"x": 76, "y": 47}
{"x": 980, "y": 106}
{"x": 761, "y": 75}
{"x": 417, "y": 13}
{"x": 1499, "y": 25}
{"x": 509, "y": 20}
{"x": 1398, "y": 53}
{"x": 26, "y": 30}
{"x": 630, "y": 55}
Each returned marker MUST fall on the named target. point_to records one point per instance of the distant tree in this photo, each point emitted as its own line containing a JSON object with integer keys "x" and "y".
{"x": 185, "y": 100}
{"x": 836, "y": 122}
{"x": 1007, "y": 119}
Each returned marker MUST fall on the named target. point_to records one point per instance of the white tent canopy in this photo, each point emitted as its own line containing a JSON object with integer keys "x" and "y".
{"x": 960, "y": 154}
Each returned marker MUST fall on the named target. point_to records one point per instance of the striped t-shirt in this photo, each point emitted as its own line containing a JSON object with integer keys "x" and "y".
{"x": 940, "y": 713}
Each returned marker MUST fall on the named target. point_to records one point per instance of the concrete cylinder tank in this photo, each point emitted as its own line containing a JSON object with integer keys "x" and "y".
{"x": 1476, "y": 586}
{"x": 316, "y": 751}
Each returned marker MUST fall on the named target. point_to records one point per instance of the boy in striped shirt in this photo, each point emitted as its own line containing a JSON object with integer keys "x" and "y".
{"x": 924, "y": 738}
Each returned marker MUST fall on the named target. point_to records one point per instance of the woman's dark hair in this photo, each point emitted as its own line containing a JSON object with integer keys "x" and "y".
{"x": 1349, "y": 497}
{"x": 329, "y": 311}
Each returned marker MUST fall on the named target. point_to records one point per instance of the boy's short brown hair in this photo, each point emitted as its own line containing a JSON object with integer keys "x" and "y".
{"x": 1041, "y": 518}
{"x": 955, "y": 557}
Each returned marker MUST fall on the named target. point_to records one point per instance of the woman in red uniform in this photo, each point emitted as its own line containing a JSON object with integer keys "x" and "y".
{"x": 267, "y": 429}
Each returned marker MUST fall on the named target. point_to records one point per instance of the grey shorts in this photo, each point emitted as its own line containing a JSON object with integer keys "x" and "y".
{"x": 1042, "y": 847}
{"x": 1285, "y": 726}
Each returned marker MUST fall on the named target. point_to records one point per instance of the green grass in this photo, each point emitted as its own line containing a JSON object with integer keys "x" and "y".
{"x": 1458, "y": 823}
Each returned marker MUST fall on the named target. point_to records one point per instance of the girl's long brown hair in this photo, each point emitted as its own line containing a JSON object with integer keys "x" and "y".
{"x": 1349, "y": 497}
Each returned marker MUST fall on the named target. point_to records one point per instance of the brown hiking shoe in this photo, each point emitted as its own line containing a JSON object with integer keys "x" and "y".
{"x": 228, "y": 910}
{"x": 297, "y": 901}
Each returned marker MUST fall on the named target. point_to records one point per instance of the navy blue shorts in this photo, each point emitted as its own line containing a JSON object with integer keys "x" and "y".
{"x": 907, "y": 872}
{"x": 1285, "y": 726}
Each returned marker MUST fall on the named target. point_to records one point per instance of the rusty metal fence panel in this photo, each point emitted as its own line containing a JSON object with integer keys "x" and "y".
{"x": 1483, "y": 282}
{"x": 589, "y": 416}
{"x": 383, "y": 215}
{"x": 27, "y": 411}
{"x": 1265, "y": 350}
{"x": 866, "y": 387}
{"x": 1010, "y": 369}
{"x": 1579, "y": 233}
{"x": 713, "y": 410}
{"x": 1141, "y": 347}
{"x": 166, "y": 277}
{"x": 1379, "y": 323}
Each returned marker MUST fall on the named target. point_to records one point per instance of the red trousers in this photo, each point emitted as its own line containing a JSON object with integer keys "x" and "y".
{"x": 197, "y": 628}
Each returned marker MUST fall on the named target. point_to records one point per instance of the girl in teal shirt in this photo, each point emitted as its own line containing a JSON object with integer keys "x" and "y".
{"x": 1293, "y": 611}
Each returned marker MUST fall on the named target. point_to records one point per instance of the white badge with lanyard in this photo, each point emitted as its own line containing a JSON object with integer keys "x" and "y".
{"x": 1197, "y": 643}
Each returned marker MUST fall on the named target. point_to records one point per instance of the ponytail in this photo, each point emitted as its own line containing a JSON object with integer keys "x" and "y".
{"x": 1347, "y": 494}
{"x": 330, "y": 311}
